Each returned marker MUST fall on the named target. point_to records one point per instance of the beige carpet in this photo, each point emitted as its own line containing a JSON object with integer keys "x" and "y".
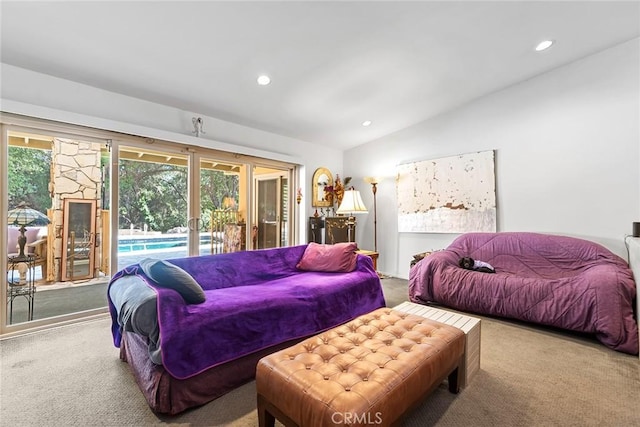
{"x": 530, "y": 376}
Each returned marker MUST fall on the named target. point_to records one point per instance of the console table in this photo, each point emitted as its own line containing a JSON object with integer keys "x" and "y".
{"x": 328, "y": 230}
{"x": 21, "y": 282}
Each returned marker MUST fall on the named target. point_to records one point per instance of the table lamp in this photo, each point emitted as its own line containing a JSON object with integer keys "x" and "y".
{"x": 351, "y": 204}
{"x": 25, "y": 216}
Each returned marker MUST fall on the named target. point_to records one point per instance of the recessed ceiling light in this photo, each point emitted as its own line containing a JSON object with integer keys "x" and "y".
{"x": 264, "y": 80}
{"x": 544, "y": 45}
{"x": 366, "y": 123}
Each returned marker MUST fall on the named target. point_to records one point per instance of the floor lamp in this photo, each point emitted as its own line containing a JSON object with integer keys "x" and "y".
{"x": 374, "y": 181}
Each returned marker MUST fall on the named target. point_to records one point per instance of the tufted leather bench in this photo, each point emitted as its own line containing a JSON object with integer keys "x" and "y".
{"x": 369, "y": 371}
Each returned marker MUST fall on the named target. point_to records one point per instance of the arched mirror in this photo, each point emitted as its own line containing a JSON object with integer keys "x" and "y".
{"x": 321, "y": 178}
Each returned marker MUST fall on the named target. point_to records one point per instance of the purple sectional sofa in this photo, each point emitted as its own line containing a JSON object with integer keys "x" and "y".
{"x": 256, "y": 302}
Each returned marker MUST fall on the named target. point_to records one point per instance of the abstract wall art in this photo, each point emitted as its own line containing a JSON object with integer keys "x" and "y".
{"x": 454, "y": 194}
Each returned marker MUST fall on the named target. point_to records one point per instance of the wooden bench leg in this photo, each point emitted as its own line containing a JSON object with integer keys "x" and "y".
{"x": 453, "y": 380}
{"x": 265, "y": 418}
{"x": 268, "y": 413}
{"x": 454, "y": 384}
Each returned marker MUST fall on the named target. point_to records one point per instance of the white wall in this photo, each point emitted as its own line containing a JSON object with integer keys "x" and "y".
{"x": 567, "y": 157}
{"x": 38, "y": 95}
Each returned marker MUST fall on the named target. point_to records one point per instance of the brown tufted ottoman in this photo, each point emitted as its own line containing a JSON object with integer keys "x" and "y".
{"x": 369, "y": 371}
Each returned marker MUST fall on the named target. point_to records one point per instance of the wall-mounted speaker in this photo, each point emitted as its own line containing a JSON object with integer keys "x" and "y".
{"x": 636, "y": 229}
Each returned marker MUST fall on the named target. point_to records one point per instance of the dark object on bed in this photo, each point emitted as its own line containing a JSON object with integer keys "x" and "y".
{"x": 184, "y": 355}
{"x": 475, "y": 265}
{"x": 559, "y": 281}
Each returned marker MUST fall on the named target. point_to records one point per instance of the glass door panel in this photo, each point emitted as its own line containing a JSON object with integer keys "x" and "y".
{"x": 223, "y": 207}
{"x": 268, "y": 213}
{"x": 272, "y": 208}
{"x": 62, "y": 178}
{"x": 153, "y": 201}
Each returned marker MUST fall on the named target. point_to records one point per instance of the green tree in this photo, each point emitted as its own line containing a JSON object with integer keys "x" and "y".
{"x": 216, "y": 188}
{"x": 29, "y": 175}
{"x": 154, "y": 194}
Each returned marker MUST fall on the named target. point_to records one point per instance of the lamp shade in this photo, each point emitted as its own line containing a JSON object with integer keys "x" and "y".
{"x": 352, "y": 203}
{"x": 23, "y": 215}
{"x": 372, "y": 179}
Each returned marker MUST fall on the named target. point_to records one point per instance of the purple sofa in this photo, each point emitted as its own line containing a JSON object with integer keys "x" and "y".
{"x": 559, "y": 281}
{"x": 184, "y": 355}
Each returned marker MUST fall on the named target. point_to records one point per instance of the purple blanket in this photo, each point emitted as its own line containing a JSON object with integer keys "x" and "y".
{"x": 559, "y": 281}
{"x": 254, "y": 300}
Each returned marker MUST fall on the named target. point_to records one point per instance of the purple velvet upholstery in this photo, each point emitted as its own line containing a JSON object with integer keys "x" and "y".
{"x": 254, "y": 300}
{"x": 559, "y": 281}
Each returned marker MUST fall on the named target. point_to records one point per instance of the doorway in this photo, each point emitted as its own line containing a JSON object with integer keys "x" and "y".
{"x": 272, "y": 208}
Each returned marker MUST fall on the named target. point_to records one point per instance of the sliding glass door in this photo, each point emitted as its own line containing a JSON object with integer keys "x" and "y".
{"x": 197, "y": 202}
{"x": 99, "y": 201}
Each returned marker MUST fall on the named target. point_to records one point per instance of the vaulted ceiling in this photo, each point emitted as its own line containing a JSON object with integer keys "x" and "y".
{"x": 333, "y": 65}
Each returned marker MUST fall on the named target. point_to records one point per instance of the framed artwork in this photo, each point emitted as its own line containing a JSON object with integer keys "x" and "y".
{"x": 454, "y": 194}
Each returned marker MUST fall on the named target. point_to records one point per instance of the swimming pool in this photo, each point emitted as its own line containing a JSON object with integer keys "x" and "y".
{"x": 159, "y": 242}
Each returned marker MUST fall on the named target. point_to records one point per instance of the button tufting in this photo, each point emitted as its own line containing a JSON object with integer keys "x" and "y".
{"x": 291, "y": 357}
{"x": 365, "y": 379}
{"x": 326, "y": 377}
{"x": 347, "y": 389}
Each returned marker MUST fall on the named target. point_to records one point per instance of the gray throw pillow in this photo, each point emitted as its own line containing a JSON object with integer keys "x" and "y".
{"x": 171, "y": 276}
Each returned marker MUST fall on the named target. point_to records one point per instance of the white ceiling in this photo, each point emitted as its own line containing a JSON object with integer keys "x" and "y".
{"x": 332, "y": 64}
